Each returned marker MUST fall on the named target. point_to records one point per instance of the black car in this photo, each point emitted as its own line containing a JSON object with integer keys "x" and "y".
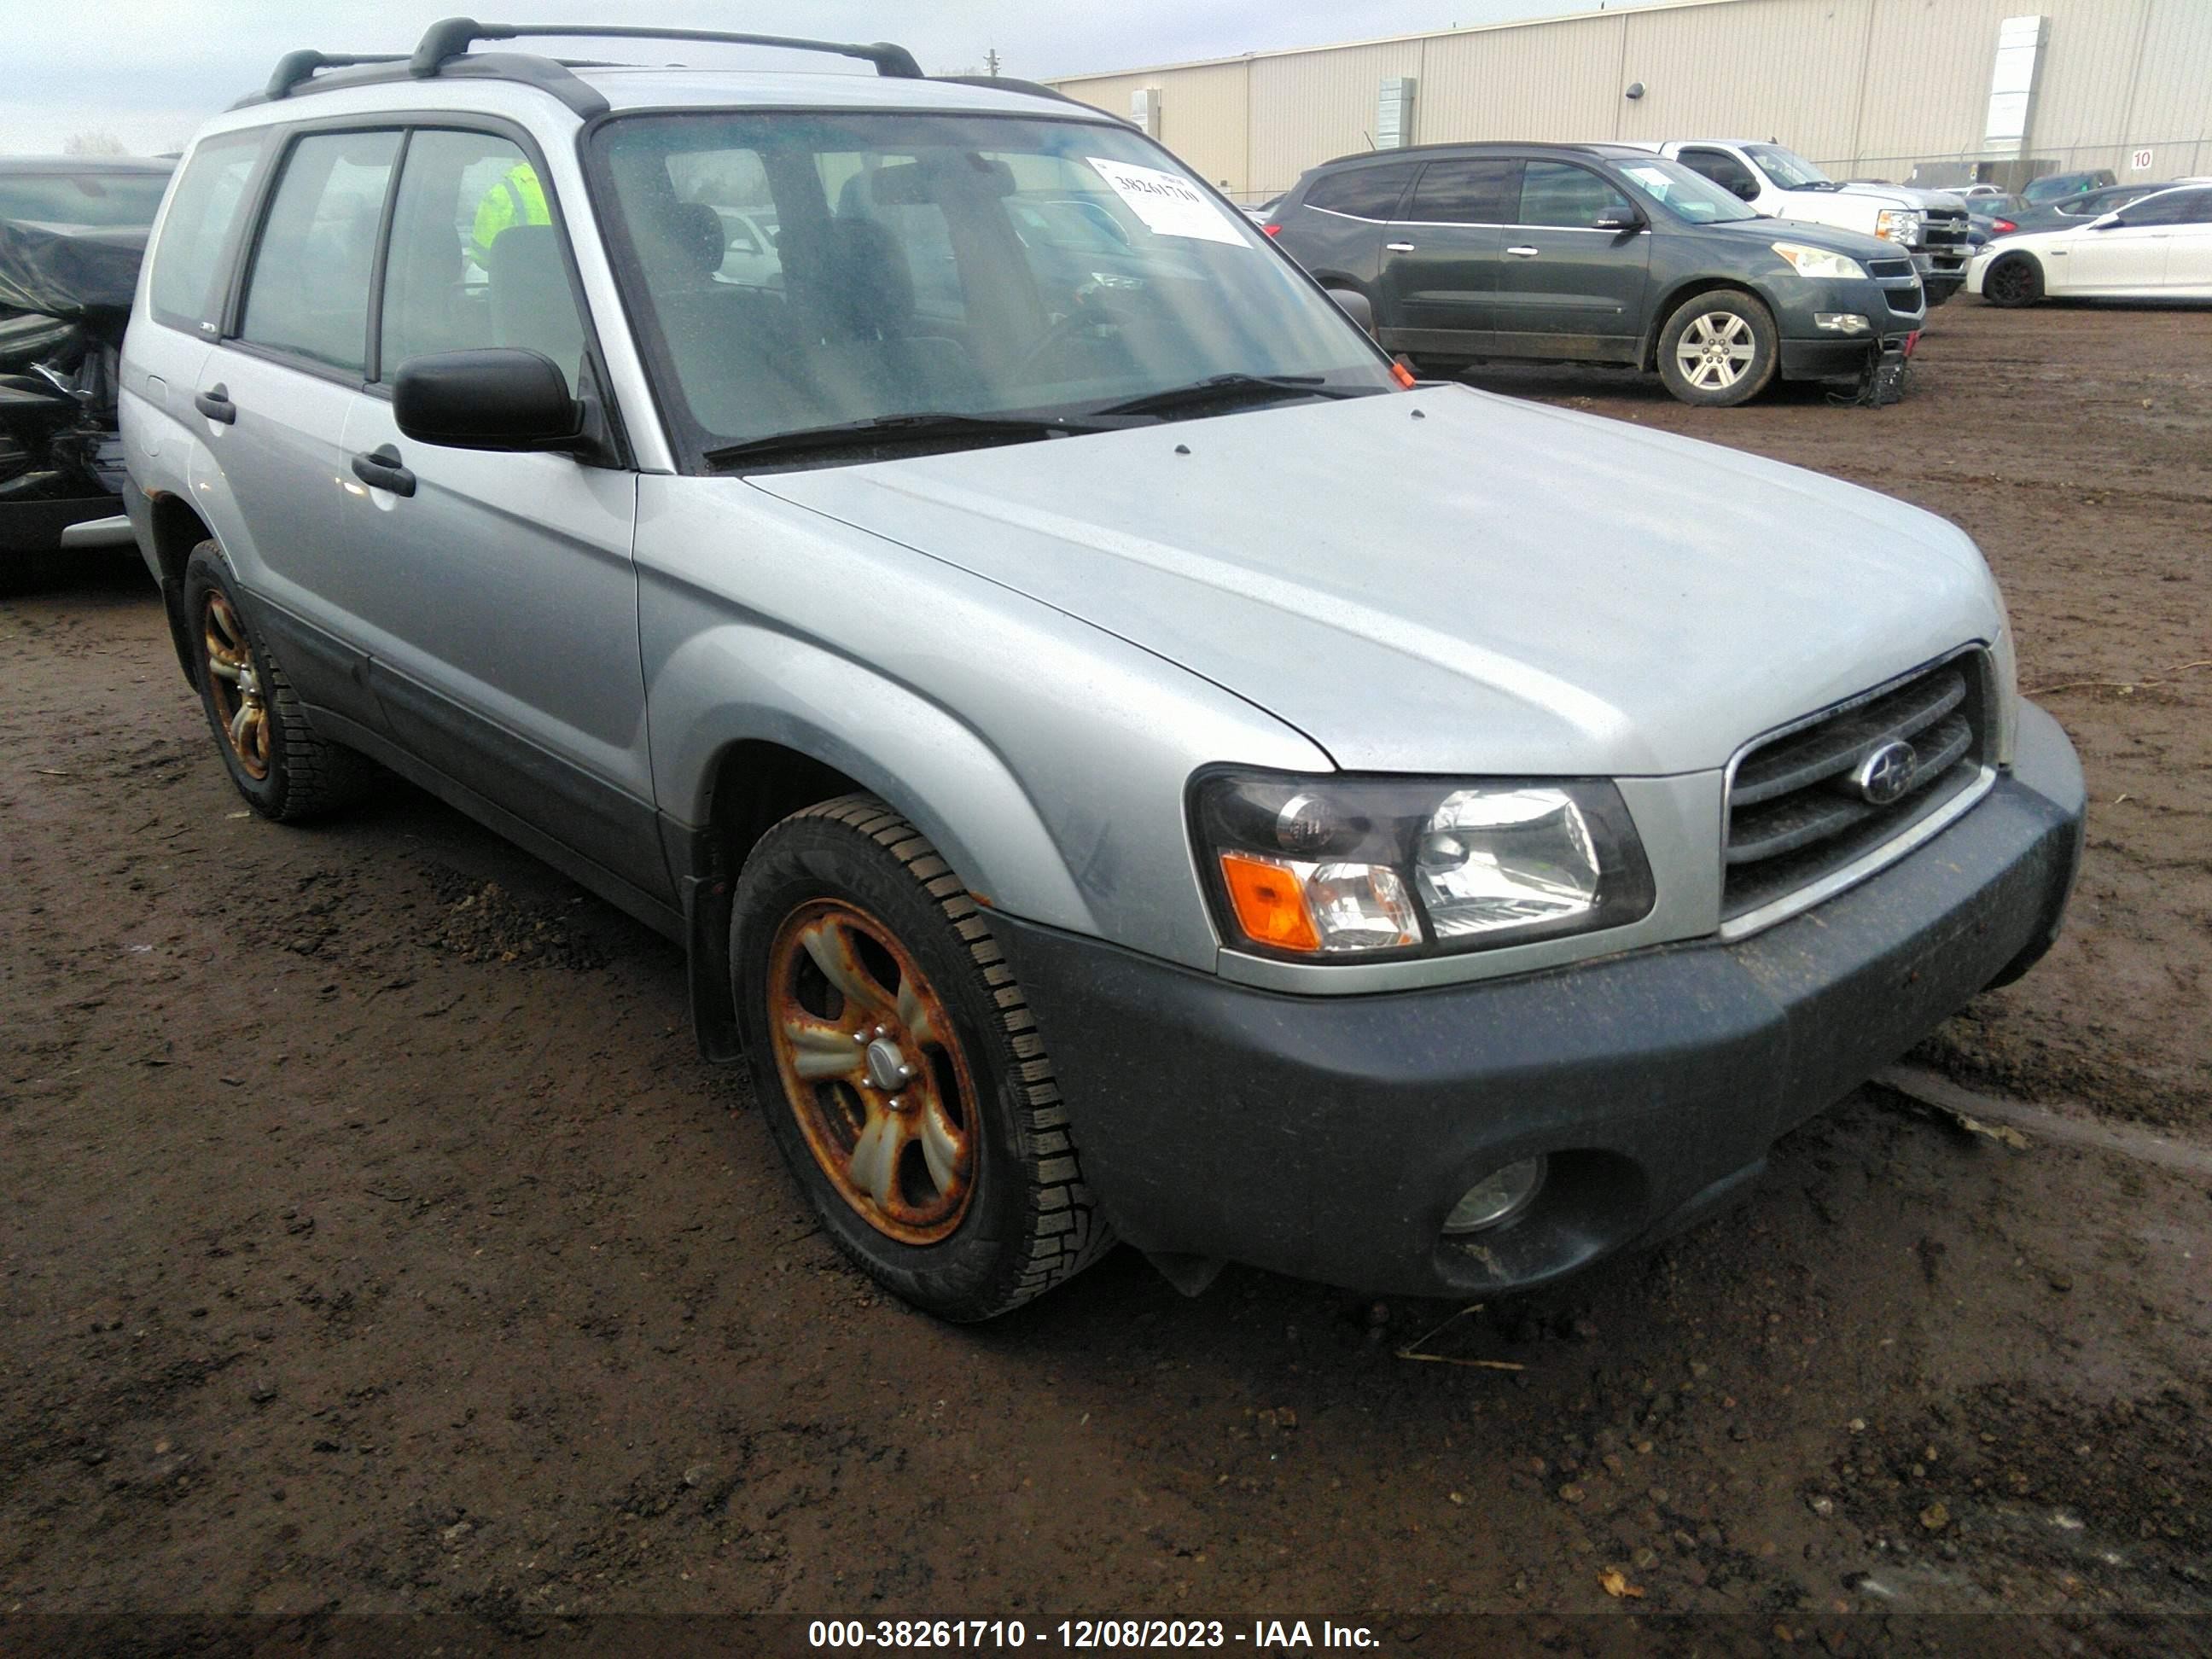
{"x": 2058, "y": 212}
{"x": 1599, "y": 253}
{"x": 72, "y": 233}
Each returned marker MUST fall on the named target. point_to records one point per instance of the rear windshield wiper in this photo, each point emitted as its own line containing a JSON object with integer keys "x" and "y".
{"x": 882, "y": 429}
{"x": 1233, "y": 389}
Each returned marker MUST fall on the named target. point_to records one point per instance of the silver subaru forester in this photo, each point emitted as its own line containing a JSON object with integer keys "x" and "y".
{"x": 1123, "y": 759}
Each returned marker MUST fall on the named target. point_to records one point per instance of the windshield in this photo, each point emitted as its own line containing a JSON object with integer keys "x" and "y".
{"x": 1689, "y": 195}
{"x": 945, "y": 264}
{"x": 100, "y": 200}
{"x": 1786, "y": 168}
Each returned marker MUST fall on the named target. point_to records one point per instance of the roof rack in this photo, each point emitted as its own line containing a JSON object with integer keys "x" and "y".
{"x": 452, "y": 37}
{"x": 295, "y": 68}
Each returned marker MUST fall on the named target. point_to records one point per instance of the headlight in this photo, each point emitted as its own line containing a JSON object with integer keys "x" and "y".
{"x": 1338, "y": 867}
{"x": 1818, "y": 262}
{"x": 1897, "y": 225}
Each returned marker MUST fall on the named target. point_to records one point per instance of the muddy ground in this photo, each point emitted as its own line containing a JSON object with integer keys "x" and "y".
{"x": 375, "y": 1241}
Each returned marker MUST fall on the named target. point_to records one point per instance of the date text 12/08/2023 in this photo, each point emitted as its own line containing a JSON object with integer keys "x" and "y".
{"x": 1087, "y": 1635}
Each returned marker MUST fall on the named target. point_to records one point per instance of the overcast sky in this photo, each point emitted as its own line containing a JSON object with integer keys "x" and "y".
{"x": 149, "y": 71}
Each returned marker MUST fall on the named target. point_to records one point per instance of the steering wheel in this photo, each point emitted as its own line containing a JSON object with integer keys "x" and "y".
{"x": 1068, "y": 327}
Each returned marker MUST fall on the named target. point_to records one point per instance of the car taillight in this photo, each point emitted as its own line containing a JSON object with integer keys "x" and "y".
{"x": 1273, "y": 229}
{"x": 2003, "y": 227}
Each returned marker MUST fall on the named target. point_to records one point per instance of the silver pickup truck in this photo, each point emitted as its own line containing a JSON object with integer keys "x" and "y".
{"x": 1122, "y": 760}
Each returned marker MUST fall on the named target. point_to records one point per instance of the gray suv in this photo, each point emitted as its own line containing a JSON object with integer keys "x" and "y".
{"x": 1425, "y": 900}
{"x": 1601, "y": 254}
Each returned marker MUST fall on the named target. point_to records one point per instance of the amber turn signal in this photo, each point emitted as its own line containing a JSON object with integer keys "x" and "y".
{"x": 1270, "y": 902}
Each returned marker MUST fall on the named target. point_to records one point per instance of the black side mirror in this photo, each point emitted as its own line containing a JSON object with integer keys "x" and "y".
{"x": 1620, "y": 218}
{"x": 1747, "y": 188}
{"x": 499, "y": 398}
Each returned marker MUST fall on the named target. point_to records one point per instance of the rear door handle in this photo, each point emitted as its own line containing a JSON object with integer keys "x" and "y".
{"x": 1398, "y": 247}
{"x": 215, "y": 402}
{"x": 380, "y": 468}
{"x": 1524, "y": 252}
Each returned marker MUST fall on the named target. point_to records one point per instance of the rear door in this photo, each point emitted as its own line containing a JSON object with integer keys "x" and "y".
{"x": 1440, "y": 257}
{"x": 496, "y": 598}
{"x": 2189, "y": 251}
{"x": 272, "y": 398}
{"x": 1566, "y": 288}
{"x": 1336, "y": 231}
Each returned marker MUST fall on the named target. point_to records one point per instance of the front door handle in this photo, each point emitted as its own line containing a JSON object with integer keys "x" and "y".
{"x": 380, "y": 468}
{"x": 1398, "y": 247}
{"x": 215, "y": 402}
{"x": 1524, "y": 252}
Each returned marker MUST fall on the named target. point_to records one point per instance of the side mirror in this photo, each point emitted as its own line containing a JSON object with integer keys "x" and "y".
{"x": 1356, "y": 305}
{"x": 2109, "y": 221}
{"x": 500, "y": 398}
{"x": 1626, "y": 218}
{"x": 1747, "y": 188}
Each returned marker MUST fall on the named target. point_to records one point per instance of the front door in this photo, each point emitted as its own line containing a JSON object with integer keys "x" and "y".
{"x": 2125, "y": 257}
{"x": 1440, "y": 258}
{"x": 494, "y": 591}
{"x": 1566, "y": 288}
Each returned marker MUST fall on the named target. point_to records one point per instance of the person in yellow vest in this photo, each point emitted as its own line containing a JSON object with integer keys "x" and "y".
{"x": 517, "y": 199}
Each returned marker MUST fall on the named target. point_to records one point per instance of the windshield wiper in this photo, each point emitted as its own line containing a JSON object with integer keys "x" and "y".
{"x": 881, "y": 429}
{"x": 1235, "y": 388}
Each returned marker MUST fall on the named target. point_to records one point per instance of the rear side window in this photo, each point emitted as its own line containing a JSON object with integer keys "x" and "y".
{"x": 1562, "y": 194}
{"x": 307, "y": 294}
{"x": 1361, "y": 192}
{"x": 1480, "y": 192}
{"x": 476, "y": 257}
{"x": 2175, "y": 207}
{"x": 188, "y": 258}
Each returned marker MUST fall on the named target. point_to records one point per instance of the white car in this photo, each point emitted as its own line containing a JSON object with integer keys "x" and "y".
{"x": 2157, "y": 247}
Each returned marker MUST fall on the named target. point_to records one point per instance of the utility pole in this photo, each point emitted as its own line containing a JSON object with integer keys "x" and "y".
{"x": 991, "y": 62}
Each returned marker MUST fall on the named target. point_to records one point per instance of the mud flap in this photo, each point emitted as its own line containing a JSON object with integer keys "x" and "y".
{"x": 707, "y": 901}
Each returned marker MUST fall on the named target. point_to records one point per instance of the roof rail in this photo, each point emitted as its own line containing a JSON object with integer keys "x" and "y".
{"x": 295, "y": 68}
{"x": 1008, "y": 83}
{"x": 451, "y": 38}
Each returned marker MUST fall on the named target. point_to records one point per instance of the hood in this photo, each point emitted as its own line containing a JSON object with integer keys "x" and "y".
{"x": 1856, "y": 244}
{"x": 1908, "y": 196}
{"x": 1445, "y": 580}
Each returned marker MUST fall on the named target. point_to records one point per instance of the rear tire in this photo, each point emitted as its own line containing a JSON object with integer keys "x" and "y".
{"x": 2012, "y": 281}
{"x": 934, "y": 1148}
{"x": 284, "y": 768}
{"x": 1719, "y": 348}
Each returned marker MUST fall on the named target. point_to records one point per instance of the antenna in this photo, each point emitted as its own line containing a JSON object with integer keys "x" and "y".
{"x": 991, "y": 62}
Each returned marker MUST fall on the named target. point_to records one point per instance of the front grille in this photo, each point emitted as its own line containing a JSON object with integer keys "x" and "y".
{"x": 1881, "y": 269}
{"x": 1796, "y": 810}
{"x": 1905, "y": 298}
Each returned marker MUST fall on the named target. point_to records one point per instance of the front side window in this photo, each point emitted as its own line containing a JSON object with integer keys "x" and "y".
{"x": 1559, "y": 193}
{"x": 307, "y": 294}
{"x": 940, "y": 264}
{"x": 476, "y": 259}
{"x": 2173, "y": 207}
{"x": 1723, "y": 169}
{"x": 181, "y": 287}
{"x": 1365, "y": 193}
{"x": 1477, "y": 193}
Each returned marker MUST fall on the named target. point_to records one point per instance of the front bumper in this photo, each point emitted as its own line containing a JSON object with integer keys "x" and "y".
{"x": 1328, "y": 1137}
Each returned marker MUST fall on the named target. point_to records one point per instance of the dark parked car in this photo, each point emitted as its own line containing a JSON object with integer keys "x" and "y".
{"x": 2053, "y": 186}
{"x": 1595, "y": 252}
{"x": 72, "y": 232}
{"x": 2080, "y": 208}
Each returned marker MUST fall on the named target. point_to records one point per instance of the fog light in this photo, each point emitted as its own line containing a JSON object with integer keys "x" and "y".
{"x": 1497, "y": 1197}
{"x": 1841, "y": 322}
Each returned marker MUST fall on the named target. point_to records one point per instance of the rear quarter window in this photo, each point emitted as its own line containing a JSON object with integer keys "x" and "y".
{"x": 1361, "y": 192}
{"x": 189, "y": 260}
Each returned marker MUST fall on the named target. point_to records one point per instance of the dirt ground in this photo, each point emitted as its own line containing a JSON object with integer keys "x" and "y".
{"x": 376, "y": 1243}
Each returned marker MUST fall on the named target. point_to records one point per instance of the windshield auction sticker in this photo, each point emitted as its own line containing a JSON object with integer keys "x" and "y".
{"x": 1169, "y": 206}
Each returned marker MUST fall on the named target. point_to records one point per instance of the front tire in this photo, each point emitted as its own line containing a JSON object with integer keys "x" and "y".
{"x": 2014, "y": 281}
{"x": 900, "y": 1068}
{"x": 285, "y": 770}
{"x": 1718, "y": 350}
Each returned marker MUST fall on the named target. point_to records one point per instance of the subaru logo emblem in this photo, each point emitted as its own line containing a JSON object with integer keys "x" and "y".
{"x": 1884, "y": 775}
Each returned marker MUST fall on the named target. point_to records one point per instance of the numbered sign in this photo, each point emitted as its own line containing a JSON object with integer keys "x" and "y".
{"x": 2139, "y": 161}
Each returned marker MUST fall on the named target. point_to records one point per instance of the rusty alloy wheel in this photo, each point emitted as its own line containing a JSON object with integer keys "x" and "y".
{"x": 872, "y": 1070}
{"x": 235, "y": 684}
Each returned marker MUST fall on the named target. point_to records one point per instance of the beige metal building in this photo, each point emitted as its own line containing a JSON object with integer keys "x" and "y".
{"x": 1869, "y": 88}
